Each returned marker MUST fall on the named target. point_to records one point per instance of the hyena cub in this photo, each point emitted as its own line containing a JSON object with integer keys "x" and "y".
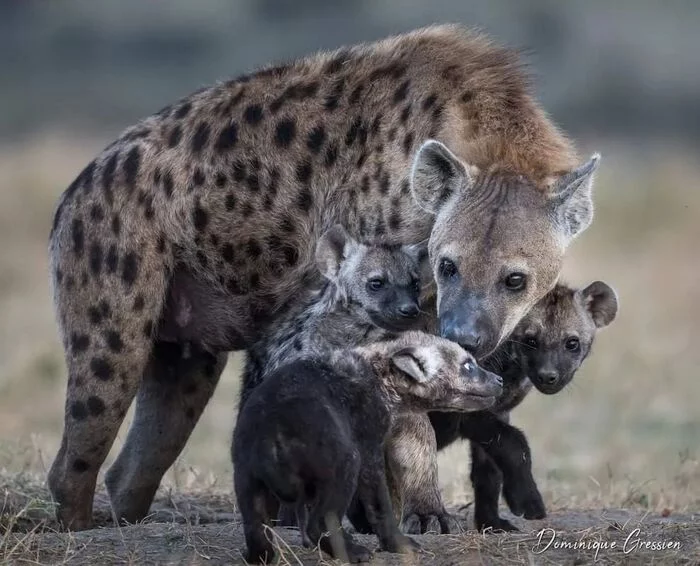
{"x": 371, "y": 292}
{"x": 313, "y": 433}
{"x": 545, "y": 350}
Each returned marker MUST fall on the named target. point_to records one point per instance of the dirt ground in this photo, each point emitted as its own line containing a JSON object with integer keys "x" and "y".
{"x": 205, "y": 529}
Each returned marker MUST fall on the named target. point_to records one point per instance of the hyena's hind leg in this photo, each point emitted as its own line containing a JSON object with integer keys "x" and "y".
{"x": 108, "y": 301}
{"x": 175, "y": 390}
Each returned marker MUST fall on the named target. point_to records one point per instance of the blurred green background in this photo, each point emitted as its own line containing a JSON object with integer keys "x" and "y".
{"x": 622, "y": 78}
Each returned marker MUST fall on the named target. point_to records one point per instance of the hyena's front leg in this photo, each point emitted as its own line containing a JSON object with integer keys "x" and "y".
{"x": 107, "y": 308}
{"x": 172, "y": 396}
{"x": 412, "y": 454}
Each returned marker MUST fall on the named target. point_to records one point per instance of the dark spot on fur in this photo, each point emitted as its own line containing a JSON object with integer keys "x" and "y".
{"x": 80, "y": 465}
{"x": 112, "y": 259}
{"x": 376, "y": 125}
{"x": 101, "y": 368}
{"x": 202, "y": 259}
{"x": 96, "y": 213}
{"x": 384, "y": 183}
{"x": 108, "y": 175}
{"x": 467, "y": 96}
{"x": 288, "y": 225}
{"x": 95, "y": 405}
{"x": 394, "y": 220}
{"x": 253, "y": 248}
{"x": 175, "y": 136}
{"x": 116, "y": 225}
{"x": 130, "y": 268}
{"x": 183, "y": 111}
{"x": 298, "y": 91}
{"x": 352, "y": 132}
{"x": 298, "y": 344}
{"x": 305, "y": 200}
{"x": 393, "y": 70}
{"x": 429, "y": 101}
{"x": 239, "y": 171}
{"x": 253, "y": 114}
{"x": 234, "y": 287}
{"x": 200, "y": 137}
{"x": 95, "y": 258}
{"x": 247, "y": 209}
{"x": 356, "y": 93}
{"x": 364, "y": 184}
{"x": 94, "y": 315}
{"x": 78, "y": 235}
{"x": 161, "y": 244}
{"x": 104, "y": 309}
{"x": 316, "y": 138}
{"x": 408, "y": 143}
{"x": 78, "y": 411}
{"x": 139, "y": 303}
{"x": 200, "y": 217}
{"x": 114, "y": 341}
{"x": 405, "y": 187}
{"x": 392, "y": 134}
{"x": 79, "y": 342}
{"x": 254, "y": 280}
{"x": 361, "y": 159}
{"x": 285, "y": 132}
{"x": 168, "y": 185}
{"x": 227, "y": 138}
{"x": 198, "y": 177}
{"x": 335, "y": 65}
{"x": 304, "y": 171}
{"x": 333, "y": 97}
{"x": 59, "y": 276}
{"x": 148, "y": 329}
{"x": 291, "y": 255}
{"x": 405, "y": 114}
{"x": 131, "y": 167}
{"x": 331, "y": 155}
{"x": 253, "y": 182}
{"x": 227, "y": 253}
{"x": 230, "y": 202}
{"x": 220, "y": 180}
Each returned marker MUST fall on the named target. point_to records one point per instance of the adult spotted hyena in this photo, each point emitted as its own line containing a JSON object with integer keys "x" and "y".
{"x": 218, "y": 201}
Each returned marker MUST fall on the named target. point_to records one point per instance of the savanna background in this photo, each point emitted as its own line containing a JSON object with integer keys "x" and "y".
{"x": 621, "y": 78}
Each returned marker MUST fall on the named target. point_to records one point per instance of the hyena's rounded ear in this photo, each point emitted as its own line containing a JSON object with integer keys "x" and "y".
{"x": 571, "y": 201}
{"x": 408, "y": 362}
{"x": 601, "y": 301}
{"x": 332, "y": 248}
{"x": 437, "y": 175}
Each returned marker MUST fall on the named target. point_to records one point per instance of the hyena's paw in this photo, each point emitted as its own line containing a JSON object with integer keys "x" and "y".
{"x": 524, "y": 502}
{"x": 422, "y": 523}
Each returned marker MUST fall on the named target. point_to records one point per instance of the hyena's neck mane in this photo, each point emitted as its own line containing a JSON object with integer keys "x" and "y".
{"x": 492, "y": 120}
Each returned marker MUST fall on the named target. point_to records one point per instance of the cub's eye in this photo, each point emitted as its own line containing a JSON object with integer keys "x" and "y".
{"x": 415, "y": 284}
{"x": 515, "y": 281}
{"x": 375, "y": 284}
{"x": 469, "y": 366}
{"x": 531, "y": 341}
{"x": 447, "y": 268}
{"x": 573, "y": 344}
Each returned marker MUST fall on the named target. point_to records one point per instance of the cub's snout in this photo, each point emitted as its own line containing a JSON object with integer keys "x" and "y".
{"x": 480, "y": 382}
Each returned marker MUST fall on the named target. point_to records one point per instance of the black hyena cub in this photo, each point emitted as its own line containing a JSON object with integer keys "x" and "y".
{"x": 313, "y": 432}
{"x": 545, "y": 350}
{"x": 370, "y": 292}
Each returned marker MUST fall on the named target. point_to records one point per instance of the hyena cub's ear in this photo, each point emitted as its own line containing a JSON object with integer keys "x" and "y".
{"x": 408, "y": 361}
{"x": 571, "y": 201}
{"x": 332, "y": 248}
{"x": 601, "y": 302}
{"x": 437, "y": 175}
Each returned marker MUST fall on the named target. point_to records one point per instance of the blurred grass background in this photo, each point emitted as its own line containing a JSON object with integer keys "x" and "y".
{"x": 622, "y": 78}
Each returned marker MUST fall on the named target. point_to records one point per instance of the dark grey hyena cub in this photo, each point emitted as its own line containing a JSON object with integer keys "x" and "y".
{"x": 313, "y": 433}
{"x": 546, "y": 349}
{"x": 371, "y": 292}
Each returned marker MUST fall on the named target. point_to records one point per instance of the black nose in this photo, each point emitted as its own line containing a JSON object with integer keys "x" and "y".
{"x": 547, "y": 377}
{"x": 499, "y": 380}
{"x": 470, "y": 341}
{"x": 409, "y": 310}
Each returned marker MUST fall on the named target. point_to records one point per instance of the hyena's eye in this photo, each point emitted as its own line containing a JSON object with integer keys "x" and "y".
{"x": 447, "y": 268}
{"x": 573, "y": 344}
{"x": 375, "y": 284}
{"x": 515, "y": 281}
{"x": 531, "y": 341}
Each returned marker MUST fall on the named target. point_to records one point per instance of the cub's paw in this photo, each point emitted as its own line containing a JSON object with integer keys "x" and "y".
{"x": 401, "y": 544}
{"x": 357, "y": 553}
{"x": 495, "y": 525}
{"x": 526, "y": 503}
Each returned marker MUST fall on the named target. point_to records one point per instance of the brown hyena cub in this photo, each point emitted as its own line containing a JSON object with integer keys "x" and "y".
{"x": 545, "y": 350}
{"x": 370, "y": 292}
{"x": 313, "y": 433}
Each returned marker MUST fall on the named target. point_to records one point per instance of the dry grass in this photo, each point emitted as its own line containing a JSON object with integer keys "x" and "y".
{"x": 624, "y": 435}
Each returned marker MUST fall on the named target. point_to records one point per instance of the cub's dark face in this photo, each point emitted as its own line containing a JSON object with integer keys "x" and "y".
{"x": 385, "y": 281}
{"x": 498, "y": 241}
{"x": 556, "y": 336}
